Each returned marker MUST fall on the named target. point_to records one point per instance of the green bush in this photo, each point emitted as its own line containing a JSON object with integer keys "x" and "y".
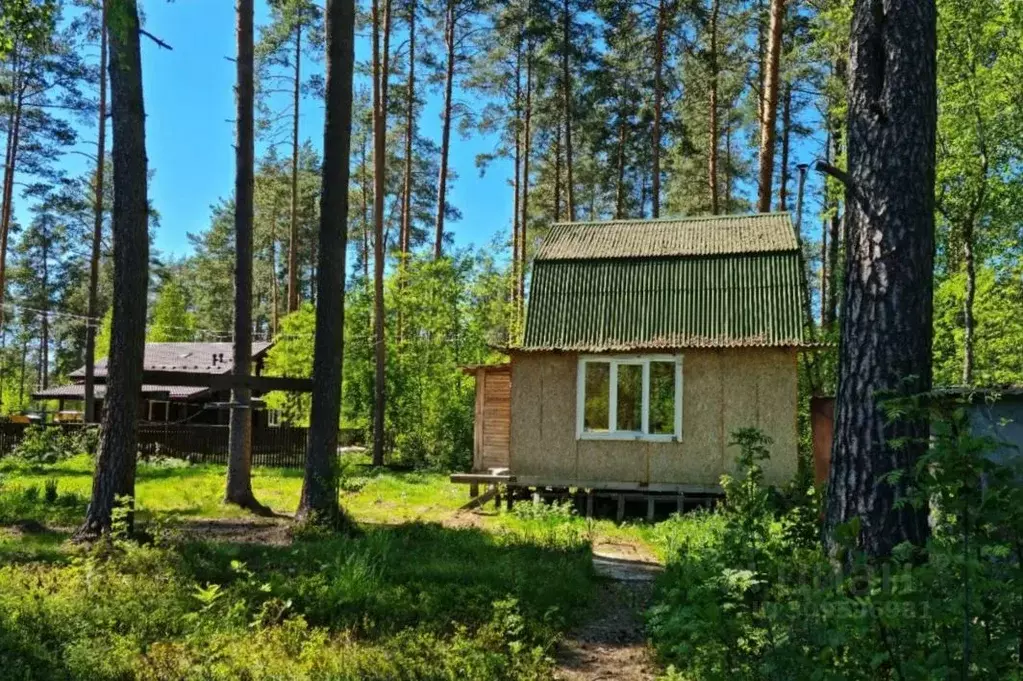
{"x": 760, "y": 600}
{"x": 50, "y": 444}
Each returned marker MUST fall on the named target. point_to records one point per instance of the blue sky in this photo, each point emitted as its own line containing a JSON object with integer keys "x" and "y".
{"x": 190, "y": 131}
{"x": 189, "y": 99}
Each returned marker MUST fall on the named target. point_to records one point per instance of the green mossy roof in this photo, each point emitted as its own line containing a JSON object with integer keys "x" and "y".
{"x": 664, "y": 284}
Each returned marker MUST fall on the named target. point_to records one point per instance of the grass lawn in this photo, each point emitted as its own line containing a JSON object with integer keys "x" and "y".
{"x": 419, "y": 594}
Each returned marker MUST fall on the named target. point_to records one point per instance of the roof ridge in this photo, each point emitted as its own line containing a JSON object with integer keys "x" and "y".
{"x": 682, "y": 218}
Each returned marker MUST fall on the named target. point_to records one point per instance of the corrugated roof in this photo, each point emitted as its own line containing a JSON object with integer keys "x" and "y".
{"x": 199, "y": 358}
{"x": 710, "y": 235}
{"x": 644, "y": 303}
{"x": 76, "y": 391}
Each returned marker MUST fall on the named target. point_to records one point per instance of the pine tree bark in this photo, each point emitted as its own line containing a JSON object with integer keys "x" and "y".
{"x": 888, "y": 297}
{"x": 319, "y": 500}
{"x": 566, "y": 84}
{"x": 557, "y": 174}
{"x": 769, "y": 113}
{"x": 445, "y": 136}
{"x": 44, "y": 322}
{"x": 114, "y": 476}
{"x": 239, "y": 463}
{"x": 712, "y": 154}
{"x": 380, "y": 78}
{"x": 97, "y": 228}
{"x": 293, "y": 296}
{"x": 410, "y": 132}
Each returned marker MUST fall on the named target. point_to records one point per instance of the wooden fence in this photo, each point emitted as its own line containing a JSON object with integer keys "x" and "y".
{"x": 282, "y": 446}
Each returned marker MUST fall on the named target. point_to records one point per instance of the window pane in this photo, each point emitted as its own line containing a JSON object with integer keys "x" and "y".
{"x": 662, "y": 398}
{"x": 597, "y": 393}
{"x": 630, "y": 397}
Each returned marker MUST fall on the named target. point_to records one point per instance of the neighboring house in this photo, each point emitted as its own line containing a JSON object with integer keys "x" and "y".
{"x": 647, "y": 344}
{"x": 167, "y": 402}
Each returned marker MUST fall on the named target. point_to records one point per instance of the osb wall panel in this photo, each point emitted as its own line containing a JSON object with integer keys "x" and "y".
{"x": 723, "y": 390}
{"x": 697, "y": 459}
{"x": 542, "y": 437}
{"x": 617, "y": 460}
{"x": 777, "y": 393}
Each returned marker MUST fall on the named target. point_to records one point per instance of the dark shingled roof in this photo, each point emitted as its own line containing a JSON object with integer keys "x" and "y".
{"x": 76, "y": 391}
{"x": 198, "y": 358}
{"x": 663, "y": 284}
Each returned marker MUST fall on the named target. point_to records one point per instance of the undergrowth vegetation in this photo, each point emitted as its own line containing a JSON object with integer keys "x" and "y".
{"x": 470, "y": 605}
{"x": 752, "y": 595}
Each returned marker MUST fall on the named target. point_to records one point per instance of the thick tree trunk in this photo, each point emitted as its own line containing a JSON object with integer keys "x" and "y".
{"x": 445, "y": 135}
{"x": 769, "y": 113}
{"x": 410, "y": 133}
{"x": 239, "y": 463}
{"x": 888, "y": 298}
{"x": 114, "y": 477}
{"x": 712, "y": 154}
{"x": 380, "y": 77}
{"x": 293, "y": 232}
{"x": 786, "y": 137}
{"x": 97, "y": 229}
{"x": 566, "y": 85}
{"x": 655, "y": 174}
{"x": 319, "y": 500}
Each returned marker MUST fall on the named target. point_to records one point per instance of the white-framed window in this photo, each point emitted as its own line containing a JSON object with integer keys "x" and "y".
{"x": 629, "y": 397}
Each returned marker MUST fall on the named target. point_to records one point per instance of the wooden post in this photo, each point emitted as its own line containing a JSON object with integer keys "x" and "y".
{"x": 589, "y": 503}
{"x": 474, "y": 490}
{"x": 510, "y": 498}
{"x": 621, "y": 507}
{"x": 681, "y": 503}
{"x": 497, "y": 497}
{"x": 649, "y": 509}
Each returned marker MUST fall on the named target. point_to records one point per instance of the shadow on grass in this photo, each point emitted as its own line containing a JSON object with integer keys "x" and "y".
{"x": 391, "y": 578}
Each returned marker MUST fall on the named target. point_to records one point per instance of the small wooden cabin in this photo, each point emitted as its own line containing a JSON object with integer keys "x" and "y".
{"x": 647, "y": 344}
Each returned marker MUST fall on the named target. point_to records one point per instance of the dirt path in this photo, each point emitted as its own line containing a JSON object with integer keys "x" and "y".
{"x": 611, "y": 644}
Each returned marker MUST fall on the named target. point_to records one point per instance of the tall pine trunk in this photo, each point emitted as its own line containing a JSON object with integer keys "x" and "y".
{"x": 13, "y": 143}
{"x": 319, "y": 500}
{"x": 712, "y": 154}
{"x": 786, "y": 140}
{"x": 114, "y": 476}
{"x": 97, "y": 228}
{"x": 527, "y": 144}
{"x": 620, "y": 164}
{"x": 566, "y": 84}
{"x": 655, "y": 145}
{"x": 888, "y": 298}
{"x": 445, "y": 135}
{"x": 516, "y": 218}
{"x": 769, "y": 111}
{"x": 293, "y": 232}
{"x": 239, "y": 446}
{"x": 380, "y": 78}
{"x": 410, "y": 133}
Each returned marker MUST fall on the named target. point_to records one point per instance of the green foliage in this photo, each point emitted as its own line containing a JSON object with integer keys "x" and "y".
{"x": 171, "y": 320}
{"x": 953, "y": 611}
{"x": 443, "y": 315}
{"x": 470, "y": 606}
{"x": 50, "y": 444}
{"x": 998, "y": 328}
